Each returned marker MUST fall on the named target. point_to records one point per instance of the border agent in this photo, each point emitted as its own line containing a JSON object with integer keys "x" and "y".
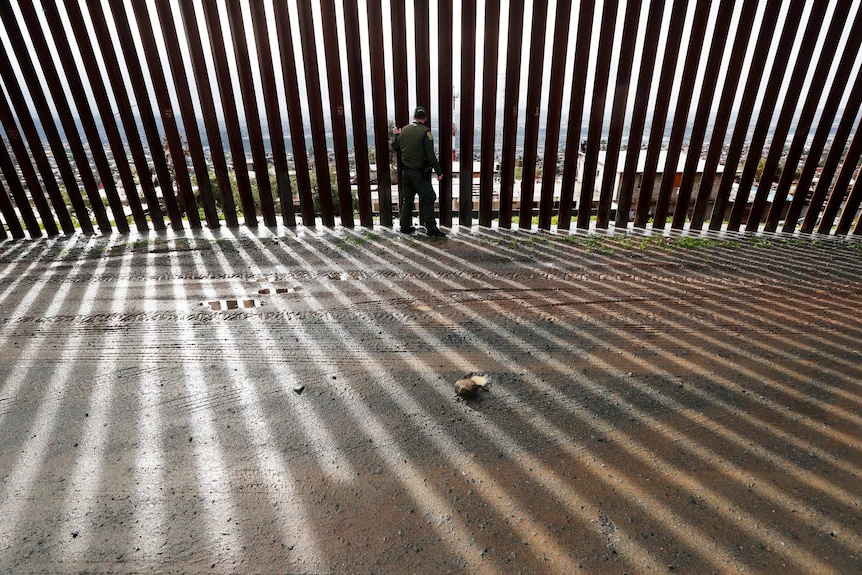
{"x": 417, "y": 159}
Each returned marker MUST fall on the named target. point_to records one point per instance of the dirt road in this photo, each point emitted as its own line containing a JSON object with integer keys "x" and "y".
{"x": 286, "y": 404}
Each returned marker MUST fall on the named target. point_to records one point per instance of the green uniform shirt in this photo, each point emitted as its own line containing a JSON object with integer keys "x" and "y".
{"x": 417, "y": 148}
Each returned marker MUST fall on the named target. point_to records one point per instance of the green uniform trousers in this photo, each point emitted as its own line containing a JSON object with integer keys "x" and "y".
{"x": 417, "y": 182}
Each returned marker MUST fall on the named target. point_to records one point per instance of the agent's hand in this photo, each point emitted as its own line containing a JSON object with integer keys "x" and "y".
{"x": 396, "y": 130}
{"x": 440, "y": 178}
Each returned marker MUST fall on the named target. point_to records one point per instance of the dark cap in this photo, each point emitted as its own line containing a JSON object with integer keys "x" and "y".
{"x": 419, "y": 112}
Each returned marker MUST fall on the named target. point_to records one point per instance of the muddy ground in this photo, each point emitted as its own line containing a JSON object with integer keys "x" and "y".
{"x": 285, "y": 403}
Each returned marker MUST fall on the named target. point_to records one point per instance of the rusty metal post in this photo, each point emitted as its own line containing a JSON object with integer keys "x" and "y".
{"x": 851, "y": 207}
{"x": 829, "y": 166}
{"x": 702, "y": 113}
{"x": 597, "y": 120}
{"x": 680, "y": 117}
{"x": 357, "y": 112}
{"x": 229, "y": 109}
{"x": 770, "y": 100}
{"x": 190, "y": 125}
{"x": 468, "y": 105}
{"x": 571, "y": 160}
{"x": 7, "y": 119}
{"x": 531, "y": 121}
{"x": 800, "y": 142}
{"x": 790, "y": 105}
{"x": 446, "y": 113}
{"x": 381, "y": 119}
{"x": 638, "y": 121}
{"x": 315, "y": 109}
{"x": 103, "y": 40}
{"x": 294, "y": 113}
{"x": 618, "y": 110}
{"x": 399, "y": 76}
{"x": 555, "y": 112}
{"x": 665, "y": 88}
{"x": 422, "y": 38}
{"x": 840, "y": 189}
{"x": 64, "y": 113}
{"x": 743, "y": 113}
{"x": 103, "y": 104}
{"x": 273, "y": 113}
{"x": 252, "y": 115}
{"x": 213, "y": 132}
{"x": 336, "y": 111}
{"x": 14, "y": 184}
{"x": 145, "y": 112}
{"x": 40, "y": 102}
{"x": 85, "y": 117}
{"x": 722, "y": 115}
{"x": 510, "y": 111}
{"x": 489, "y": 111}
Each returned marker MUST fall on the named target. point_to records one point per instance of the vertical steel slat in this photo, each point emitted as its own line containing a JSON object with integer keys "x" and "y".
{"x": 184, "y": 96}
{"x": 639, "y": 113}
{"x": 85, "y": 117}
{"x": 665, "y": 88}
{"x": 446, "y": 113}
{"x": 7, "y": 119}
{"x": 358, "y": 112}
{"x": 531, "y": 123}
{"x": 103, "y": 104}
{"x": 510, "y": 111}
{"x": 845, "y": 68}
{"x": 555, "y": 112}
{"x": 139, "y": 88}
{"x": 252, "y": 115}
{"x": 702, "y": 113}
{"x": 833, "y": 157}
{"x": 778, "y": 133}
{"x": 273, "y": 112}
{"x": 743, "y": 115}
{"x": 468, "y": 104}
{"x": 315, "y": 110}
{"x": 597, "y": 119}
{"x": 851, "y": 207}
{"x": 294, "y": 113}
{"x": 381, "y": 119}
{"x": 35, "y": 142}
{"x": 618, "y": 110}
{"x": 489, "y": 105}
{"x": 336, "y": 111}
{"x": 725, "y": 108}
{"x": 45, "y": 60}
{"x": 840, "y": 189}
{"x": 15, "y": 187}
{"x": 127, "y": 117}
{"x": 399, "y": 64}
{"x": 571, "y": 159}
{"x": 205, "y": 97}
{"x": 680, "y": 118}
{"x": 231, "y": 117}
{"x": 422, "y": 37}
{"x": 399, "y": 77}
{"x": 770, "y": 100}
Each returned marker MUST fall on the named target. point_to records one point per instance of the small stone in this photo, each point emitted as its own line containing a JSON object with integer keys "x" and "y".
{"x": 466, "y": 388}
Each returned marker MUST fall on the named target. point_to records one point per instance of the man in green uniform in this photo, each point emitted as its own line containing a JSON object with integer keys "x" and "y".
{"x": 417, "y": 159}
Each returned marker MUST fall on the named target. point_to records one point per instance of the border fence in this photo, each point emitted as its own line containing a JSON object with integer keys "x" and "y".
{"x": 720, "y": 114}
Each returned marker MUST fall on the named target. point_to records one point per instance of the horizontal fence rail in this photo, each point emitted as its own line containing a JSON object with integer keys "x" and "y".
{"x": 738, "y": 115}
